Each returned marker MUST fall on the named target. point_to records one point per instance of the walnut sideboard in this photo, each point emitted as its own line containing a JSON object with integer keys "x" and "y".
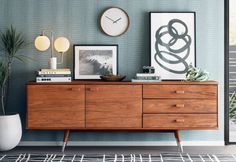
{"x": 95, "y": 105}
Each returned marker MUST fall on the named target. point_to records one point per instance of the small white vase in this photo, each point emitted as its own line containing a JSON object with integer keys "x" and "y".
{"x": 10, "y": 131}
{"x": 53, "y": 63}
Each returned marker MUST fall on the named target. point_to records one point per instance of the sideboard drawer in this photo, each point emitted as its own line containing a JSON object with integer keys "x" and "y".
{"x": 180, "y": 91}
{"x": 183, "y": 121}
{"x": 178, "y": 106}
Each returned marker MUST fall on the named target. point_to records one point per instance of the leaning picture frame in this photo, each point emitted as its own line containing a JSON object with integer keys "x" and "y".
{"x": 172, "y": 43}
{"x": 92, "y": 61}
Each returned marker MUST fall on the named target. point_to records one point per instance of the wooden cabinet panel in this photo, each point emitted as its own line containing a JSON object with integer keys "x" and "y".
{"x": 180, "y": 91}
{"x": 180, "y": 121}
{"x": 55, "y": 120}
{"x": 55, "y": 106}
{"x": 179, "y": 106}
{"x": 113, "y": 106}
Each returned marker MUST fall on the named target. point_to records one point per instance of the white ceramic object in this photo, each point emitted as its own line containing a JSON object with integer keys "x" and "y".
{"x": 10, "y": 131}
{"x": 53, "y": 63}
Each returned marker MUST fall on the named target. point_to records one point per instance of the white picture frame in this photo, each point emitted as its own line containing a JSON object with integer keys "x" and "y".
{"x": 173, "y": 43}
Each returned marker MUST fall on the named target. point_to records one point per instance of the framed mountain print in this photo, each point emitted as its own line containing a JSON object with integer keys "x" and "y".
{"x": 173, "y": 43}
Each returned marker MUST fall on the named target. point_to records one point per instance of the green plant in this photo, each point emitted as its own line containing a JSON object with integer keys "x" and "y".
{"x": 196, "y": 74}
{"x": 232, "y": 107}
{"x": 10, "y": 43}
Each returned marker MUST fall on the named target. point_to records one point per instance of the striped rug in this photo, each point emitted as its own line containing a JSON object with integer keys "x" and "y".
{"x": 165, "y": 157}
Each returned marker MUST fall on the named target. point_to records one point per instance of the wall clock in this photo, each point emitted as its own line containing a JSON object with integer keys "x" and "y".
{"x": 114, "y": 21}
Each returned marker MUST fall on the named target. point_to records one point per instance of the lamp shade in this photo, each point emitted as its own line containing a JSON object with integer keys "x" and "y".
{"x": 61, "y": 44}
{"x": 42, "y": 43}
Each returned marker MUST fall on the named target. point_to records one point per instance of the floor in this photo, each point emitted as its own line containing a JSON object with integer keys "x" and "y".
{"x": 123, "y": 150}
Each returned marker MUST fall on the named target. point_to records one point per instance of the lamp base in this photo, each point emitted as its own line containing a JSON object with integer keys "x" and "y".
{"x": 53, "y": 63}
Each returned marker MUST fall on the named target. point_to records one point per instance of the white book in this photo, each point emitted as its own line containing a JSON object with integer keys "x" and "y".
{"x": 53, "y": 72}
{"x": 52, "y": 79}
{"x": 146, "y": 74}
{"x": 137, "y": 80}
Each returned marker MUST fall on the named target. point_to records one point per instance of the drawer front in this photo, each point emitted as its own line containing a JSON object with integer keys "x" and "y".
{"x": 183, "y": 121}
{"x": 55, "y": 106}
{"x": 178, "y": 106}
{"x": 180, "y": 91}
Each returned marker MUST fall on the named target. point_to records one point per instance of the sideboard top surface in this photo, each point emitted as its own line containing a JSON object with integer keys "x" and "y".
{"x": 98, "y": 82}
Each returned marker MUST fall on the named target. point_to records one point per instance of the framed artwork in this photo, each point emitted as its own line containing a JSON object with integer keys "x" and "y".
{"x": 173, "y": 43}
{"x": 92, "y": 61}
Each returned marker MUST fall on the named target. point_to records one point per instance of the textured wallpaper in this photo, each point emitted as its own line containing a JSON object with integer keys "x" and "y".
{"x": 78, "y": 21}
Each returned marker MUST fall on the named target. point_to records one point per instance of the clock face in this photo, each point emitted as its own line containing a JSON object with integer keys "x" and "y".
{"x": 114, "y": 21}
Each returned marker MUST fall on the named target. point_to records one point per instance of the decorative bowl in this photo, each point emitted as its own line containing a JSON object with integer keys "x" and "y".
{"x": 112, "y": 78}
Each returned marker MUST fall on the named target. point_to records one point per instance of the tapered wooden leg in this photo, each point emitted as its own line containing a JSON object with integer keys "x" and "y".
{"x": 177, "y": 137}
{"x": 65, "y": 140}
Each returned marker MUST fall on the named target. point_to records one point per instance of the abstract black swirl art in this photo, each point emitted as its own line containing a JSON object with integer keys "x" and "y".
{"x": 173, "y": 43}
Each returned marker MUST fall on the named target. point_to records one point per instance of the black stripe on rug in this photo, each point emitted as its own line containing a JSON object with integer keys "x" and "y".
{"x": 164, "y": 157}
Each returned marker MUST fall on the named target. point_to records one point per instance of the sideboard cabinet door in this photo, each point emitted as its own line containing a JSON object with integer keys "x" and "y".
{"x": 55, "y": 106}
{"x": 113, "y": 106}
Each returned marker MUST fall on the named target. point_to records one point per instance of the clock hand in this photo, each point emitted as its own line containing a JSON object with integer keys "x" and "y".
{"x": 110, "y": 19}
{"x": 117, "y": 20}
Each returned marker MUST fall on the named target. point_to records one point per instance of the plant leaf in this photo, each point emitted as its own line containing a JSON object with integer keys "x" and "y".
{"x": 26, "y": 57}
{"x": 11, "y": 41}
{"x": 19, "y": 58}
{"x": 3, "y": 73}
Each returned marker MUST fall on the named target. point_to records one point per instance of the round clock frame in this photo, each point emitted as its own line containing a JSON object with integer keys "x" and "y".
{"x": 103, "y": 14}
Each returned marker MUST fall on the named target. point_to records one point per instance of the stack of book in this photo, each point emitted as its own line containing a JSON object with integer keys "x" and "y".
{"x": 146, "y": 77}
{"x": 53, "y": 75}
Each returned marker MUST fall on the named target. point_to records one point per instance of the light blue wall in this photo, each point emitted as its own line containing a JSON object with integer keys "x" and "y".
{"x": 78, "y": 20}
